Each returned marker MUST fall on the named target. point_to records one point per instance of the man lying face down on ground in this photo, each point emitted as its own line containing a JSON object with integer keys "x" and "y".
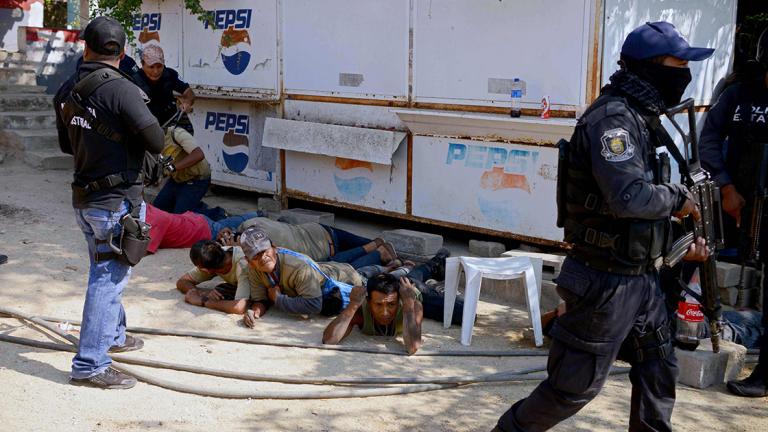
{"x": 292, "y": 282}
{"x": 319, "y": 242}
{"x": 229, "y": 263}
{"x": 395, "y": 305}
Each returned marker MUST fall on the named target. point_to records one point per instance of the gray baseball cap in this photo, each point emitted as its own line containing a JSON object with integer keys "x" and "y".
{"x": 253, "y": 241}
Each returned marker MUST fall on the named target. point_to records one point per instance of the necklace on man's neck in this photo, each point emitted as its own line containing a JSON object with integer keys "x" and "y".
{"x": 384, "y": 330}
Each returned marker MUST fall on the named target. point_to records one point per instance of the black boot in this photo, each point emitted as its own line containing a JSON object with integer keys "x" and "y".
{"x": 755, "y": 385}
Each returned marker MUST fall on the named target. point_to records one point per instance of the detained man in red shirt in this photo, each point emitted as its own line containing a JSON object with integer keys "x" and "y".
{"x": 184, "y": 230}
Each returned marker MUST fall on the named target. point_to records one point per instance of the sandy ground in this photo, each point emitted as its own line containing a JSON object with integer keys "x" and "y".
{"x": 47, "y": 274}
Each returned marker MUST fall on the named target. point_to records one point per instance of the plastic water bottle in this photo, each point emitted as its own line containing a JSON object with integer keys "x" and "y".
{"x": 690, "y": 319}
{"x": 517, "y": 96}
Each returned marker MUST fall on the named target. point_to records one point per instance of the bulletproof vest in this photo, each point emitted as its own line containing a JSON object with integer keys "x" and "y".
{"x": 97, "y": 134}
{"x": 599, "y": 238}
{"x": 746, "y": 136}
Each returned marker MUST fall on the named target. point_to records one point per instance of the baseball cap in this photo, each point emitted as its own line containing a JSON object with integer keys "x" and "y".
{"x": 102, "y": 31}
{"x": 152, "y": 54}
{"x": 658, "y": 39}
{"x": 253, "y": 241}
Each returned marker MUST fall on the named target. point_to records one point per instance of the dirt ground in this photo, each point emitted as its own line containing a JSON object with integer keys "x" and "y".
{"x": 47, "y": 273}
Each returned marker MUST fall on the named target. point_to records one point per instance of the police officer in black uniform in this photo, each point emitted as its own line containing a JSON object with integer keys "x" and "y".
{"x": 741, "y": 116}
{"x": 102, "y": 119}
{"x": 616, "y": 210}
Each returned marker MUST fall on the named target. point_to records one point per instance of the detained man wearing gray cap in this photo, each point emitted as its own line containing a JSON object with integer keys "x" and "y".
{"x": 102, "y": 120}
{"x": 293, "y": 282}
{"x": 616, "y": 208}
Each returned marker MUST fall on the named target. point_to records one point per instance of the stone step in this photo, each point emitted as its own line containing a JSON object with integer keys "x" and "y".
{"x": 18, "y": 76}
{"x": 36, "y": 139}
{"x": 27, "y": 119}
{"x": 12, "y": 56}
{"x": 49, "y": 159}
{"x": 18, "y": 88}
{"x": 25, "y": 102}
{"x": 18, "y": 64}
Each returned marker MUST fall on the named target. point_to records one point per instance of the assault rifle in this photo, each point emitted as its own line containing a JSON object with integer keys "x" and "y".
{"x": 756, "y": 161}
{"x": 706, "y": 194}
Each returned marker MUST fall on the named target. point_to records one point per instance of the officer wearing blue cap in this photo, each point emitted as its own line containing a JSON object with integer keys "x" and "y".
{"x": 737, "y": 171}
{"x": 615, "y": 207}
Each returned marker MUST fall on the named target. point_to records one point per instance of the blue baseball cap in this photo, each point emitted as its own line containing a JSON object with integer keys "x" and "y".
{"x": 658, "y": 39}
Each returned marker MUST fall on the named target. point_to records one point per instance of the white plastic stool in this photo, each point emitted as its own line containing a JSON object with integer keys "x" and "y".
{"x": 477, "y": 269}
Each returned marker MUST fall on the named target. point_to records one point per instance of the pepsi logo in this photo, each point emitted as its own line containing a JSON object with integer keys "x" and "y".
{"x": 236, "y": 128}
{"x": 352, "y": 178}
{"x": 149, "y": 25}
{"x": 235, "y": 40}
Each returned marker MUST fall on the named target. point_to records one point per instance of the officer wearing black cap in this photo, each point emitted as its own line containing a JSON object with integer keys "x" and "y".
{"x": 615, "y": 208}
{"x": 102, "y": 120}
{"x": 740, "y": 118}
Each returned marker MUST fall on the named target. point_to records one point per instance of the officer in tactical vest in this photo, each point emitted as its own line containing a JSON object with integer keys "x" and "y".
{"x": 615, "y": 203}
{"x": 102, "y": 119}
{"x": 741, "y": 116}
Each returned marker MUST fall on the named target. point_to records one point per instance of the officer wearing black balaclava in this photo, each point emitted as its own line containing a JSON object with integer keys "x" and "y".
{"x": 615, "y": 207}
{"x": 741, "y": 116}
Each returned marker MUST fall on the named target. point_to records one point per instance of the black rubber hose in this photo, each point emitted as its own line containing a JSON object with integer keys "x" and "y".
{"x": 271, "y": 342}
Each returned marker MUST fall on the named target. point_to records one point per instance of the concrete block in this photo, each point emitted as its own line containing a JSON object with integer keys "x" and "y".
{"x": 21, "y": 76}
{"x": 728, "y": 275}
{"x": 729, "y": 296}
{"x": 551, "y": 262}
{"x": 486, "y": 249}
{"x": 747, "y": 298}
{"x": 703, "y": 368}
{"x": 298, "y": 216}
{"x": 269, "y": 205}
{"x": 414, "y": 242}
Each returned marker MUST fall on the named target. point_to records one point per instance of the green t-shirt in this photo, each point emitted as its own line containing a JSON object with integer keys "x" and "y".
{"x": 372, "y": 329}
{"x": 237, "y": 275}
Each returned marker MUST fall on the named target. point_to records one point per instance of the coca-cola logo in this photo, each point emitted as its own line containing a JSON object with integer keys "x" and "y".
{"x": 689, "y": 312}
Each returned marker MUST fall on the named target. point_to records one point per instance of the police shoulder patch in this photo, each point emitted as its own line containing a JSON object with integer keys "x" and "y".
{"x": 617, "y": 147}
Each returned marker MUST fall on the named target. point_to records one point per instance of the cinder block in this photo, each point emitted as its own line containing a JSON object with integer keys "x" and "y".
{"x": 703, "y": 368}
{"x": 551, "y": 262}
{"x": 298, "y": 216}
{"x": 268, "y": 205}
{"x": 729, "y": 296}
{"x": 486, "y": 249}
{"x": 414, "y": 242}
{"x": 728, "y": 275}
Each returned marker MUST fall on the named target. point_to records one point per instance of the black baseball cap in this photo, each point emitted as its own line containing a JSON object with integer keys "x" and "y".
{"x": 102, "y": 31}
{"x": 654, "y": 39}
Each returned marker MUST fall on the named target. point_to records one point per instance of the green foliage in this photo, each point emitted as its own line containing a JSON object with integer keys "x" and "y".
{"x": 124, "y": 10}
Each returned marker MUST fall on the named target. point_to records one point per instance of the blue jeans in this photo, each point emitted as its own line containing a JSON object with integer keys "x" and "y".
{"x": 349, "y": 249}
{"x": 178, "y": 198}
{"x": 231, "y": 222}
{"x": 103, "y": 324}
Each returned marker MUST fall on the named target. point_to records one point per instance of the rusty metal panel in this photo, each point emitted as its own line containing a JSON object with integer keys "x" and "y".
{"x": 704, "y": 23}
{"x": 230, "y": 134}
{"x": 160, "y": 23}
{"x": 490, "y": 185}
{"x": 346, "y": 48}
{"x": 467, "y": 51}
{"x": 236, "y": 56}
{"x": 349, "y": 181}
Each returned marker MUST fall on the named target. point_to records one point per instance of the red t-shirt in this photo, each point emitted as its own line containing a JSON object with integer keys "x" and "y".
{"x": 175, "y": 230}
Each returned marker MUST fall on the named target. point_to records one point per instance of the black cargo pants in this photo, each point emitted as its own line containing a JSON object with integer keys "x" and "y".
{"x": 606, "y": 313}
